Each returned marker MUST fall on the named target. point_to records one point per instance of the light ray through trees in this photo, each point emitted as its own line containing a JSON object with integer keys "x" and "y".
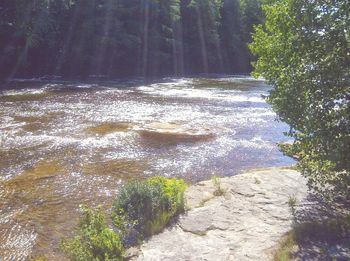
{"x": 125, "y": 38}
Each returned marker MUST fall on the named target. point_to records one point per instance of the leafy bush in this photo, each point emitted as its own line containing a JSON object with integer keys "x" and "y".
{"x": 142, "y": 208}
{"x": 303, "y": 52}
{"x": 95, "y": 240}
{"x": 147, "y": 206}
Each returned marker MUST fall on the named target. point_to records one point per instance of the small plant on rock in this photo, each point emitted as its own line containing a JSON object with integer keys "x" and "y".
{"x": 219, "y": 191}
{"x": 257, "y": 181}
{"x": 292, "y": 203}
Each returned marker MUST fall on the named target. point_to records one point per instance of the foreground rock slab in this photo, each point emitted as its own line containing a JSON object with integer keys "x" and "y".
{"x": 245, "y": 223}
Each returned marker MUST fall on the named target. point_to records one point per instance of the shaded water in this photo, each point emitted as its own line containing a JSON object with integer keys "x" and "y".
{"x": 67, "y": 144}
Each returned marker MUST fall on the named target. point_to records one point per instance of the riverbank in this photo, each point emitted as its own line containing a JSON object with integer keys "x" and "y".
{"x": 265, "y": 214}
{"x": 246, "y": 223}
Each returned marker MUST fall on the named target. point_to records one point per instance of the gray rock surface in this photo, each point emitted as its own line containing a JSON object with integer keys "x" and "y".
{"x": 246, "y": 223}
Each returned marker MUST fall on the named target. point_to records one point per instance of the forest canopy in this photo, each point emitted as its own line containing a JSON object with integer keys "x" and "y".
{"x": 125, "y": 38}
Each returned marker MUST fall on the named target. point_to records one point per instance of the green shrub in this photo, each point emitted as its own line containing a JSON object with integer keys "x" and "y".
{"x": 148, "y": 205}
{"x": 95, "y": 240}
{"x": 142, "y": 208}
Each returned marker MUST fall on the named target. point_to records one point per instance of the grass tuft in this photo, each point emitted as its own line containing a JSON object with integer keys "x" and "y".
{"x": 219, "y": 191}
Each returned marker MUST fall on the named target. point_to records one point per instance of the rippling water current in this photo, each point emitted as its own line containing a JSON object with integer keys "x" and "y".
{"x": 66, "y": 144}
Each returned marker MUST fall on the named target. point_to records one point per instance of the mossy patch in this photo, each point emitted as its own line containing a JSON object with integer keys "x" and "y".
{"x": 109, "y": 127}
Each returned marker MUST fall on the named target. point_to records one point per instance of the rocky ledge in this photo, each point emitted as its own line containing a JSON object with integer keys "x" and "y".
{"x": 245, "y": 223}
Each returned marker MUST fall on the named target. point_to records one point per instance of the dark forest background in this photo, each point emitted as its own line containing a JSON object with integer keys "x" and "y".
{"x": 125, "y": 38}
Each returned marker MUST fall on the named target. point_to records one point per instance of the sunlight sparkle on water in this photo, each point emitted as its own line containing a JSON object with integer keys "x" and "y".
{"x": 94, "y": 137}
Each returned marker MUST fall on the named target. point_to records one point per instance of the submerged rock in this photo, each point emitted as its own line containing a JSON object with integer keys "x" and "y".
{"x": 109, "y": 127}
{"x": 42, "y": 170}
{"x": 246, "y": 223}
{"x": 25, "y": 96}
{"x": 173, "y": 133}
{"x": 36, "y": 123}
{"x": 123, "y": 168}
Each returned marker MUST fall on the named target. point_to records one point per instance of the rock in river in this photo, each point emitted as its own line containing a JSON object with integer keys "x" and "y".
{"x": 173, "y": 133}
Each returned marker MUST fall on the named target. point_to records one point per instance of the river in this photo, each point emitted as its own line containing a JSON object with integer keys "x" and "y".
{"x": 63, "y": 144}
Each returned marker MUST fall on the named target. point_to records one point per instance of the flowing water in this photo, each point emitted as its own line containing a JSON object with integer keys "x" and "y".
{"x": 62, "y": 145}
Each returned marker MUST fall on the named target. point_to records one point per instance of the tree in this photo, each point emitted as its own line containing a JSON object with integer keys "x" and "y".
{"x": 304, "y": 53}
{"x": 125, "y": 38}
{"x": 230, "y": 35}
{"x": 251, "y": 15}
{"x": 7, "y": 30}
